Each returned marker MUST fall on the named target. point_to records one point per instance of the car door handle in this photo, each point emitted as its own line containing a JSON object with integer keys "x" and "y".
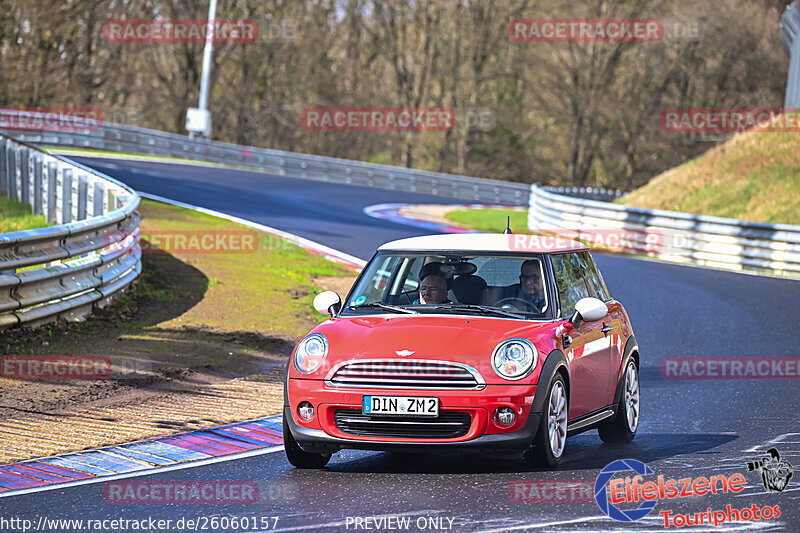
{"x": 605, "y": 329}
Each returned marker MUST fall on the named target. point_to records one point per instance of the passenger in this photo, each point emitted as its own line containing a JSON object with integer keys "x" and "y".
{"x": 432, "y": 290}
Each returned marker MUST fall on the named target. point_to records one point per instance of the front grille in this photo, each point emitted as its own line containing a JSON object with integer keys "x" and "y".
{"x": 406, "y": 374}
{"x": 447, "y": 425}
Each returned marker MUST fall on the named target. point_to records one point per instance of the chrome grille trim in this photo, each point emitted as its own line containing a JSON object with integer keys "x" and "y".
{"x": 364, "y": 420}
{"x": 447, "y": 425}
{"x": 388, "y": 374}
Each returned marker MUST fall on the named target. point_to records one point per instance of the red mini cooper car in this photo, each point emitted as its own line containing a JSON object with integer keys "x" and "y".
{"x": 504, "y": 343}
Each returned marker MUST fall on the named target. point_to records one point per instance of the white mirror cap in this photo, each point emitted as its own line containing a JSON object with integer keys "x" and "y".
{"x": 591, "y": 309}
{"x": 324, "y": 300}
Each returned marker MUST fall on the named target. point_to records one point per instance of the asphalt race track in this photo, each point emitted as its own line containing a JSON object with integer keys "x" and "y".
{"x": 688, "y": 428}
{"x": 324, "y": 212}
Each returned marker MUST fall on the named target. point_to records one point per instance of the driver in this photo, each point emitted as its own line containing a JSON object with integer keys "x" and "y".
{"x": 531, "y": 285}
{"x": 432, "y": 290}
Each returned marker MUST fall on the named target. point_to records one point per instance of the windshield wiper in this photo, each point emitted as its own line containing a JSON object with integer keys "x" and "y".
{"x": 383, "y": 306}
{"x": 481, "y": 308}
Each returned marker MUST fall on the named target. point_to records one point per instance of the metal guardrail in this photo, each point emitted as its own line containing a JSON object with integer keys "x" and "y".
{"x": 588, "y": 193}
{"x": 83, "y": 262}
{"x": 673, "y": 236}
{"x": 129, "y": 139}
{"x": 790, "y": 35}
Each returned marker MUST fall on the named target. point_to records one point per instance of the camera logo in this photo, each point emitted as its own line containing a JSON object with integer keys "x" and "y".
{"x": 601, "y": 495}
{"x": 774, "y": 473}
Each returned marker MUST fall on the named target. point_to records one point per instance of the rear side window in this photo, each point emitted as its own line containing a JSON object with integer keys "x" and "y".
{"x": 576, "y": 277}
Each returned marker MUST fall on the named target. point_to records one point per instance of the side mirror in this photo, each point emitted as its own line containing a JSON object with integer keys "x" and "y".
{"x": 590, "y": 309}
{"x": 327, "y": 302}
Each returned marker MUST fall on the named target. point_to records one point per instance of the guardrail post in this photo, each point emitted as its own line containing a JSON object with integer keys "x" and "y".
{"x": 99, "y": 199}
{"x": 24, "y": 176}
{"x": 111, "y": 199}
{"x": 52, "y": 192}
{"x": 83, "y": 196}
{"x": 11, "y": 162}
{"x": 37, "y": 185}
{"x": 66, "y": 196}
{"x": 3, "y": 170}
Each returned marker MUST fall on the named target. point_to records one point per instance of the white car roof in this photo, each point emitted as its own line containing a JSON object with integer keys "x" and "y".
{"x": 487, "y": 242}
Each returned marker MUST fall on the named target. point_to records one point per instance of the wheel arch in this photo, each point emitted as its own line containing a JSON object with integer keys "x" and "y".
{"x": 555, "y": 363}
{"x": 631, "y": 351}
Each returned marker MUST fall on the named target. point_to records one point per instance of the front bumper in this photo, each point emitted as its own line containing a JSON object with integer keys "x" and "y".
{"x": 321, "y": 435}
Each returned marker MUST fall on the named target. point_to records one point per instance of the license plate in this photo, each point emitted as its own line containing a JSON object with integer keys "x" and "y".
{"x": 400, "y": 405}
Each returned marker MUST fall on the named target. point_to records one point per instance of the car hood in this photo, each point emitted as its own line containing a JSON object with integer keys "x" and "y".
{"x": 428, "y": 336}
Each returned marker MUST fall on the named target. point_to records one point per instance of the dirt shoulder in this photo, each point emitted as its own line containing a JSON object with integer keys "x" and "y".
{"x": 202, "y": 339}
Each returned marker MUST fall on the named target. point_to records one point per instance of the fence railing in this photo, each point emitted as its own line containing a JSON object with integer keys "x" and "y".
{"x": 128, "y": 139}
{"x": 673, "y": 236}
{"x": 82, "y": 262}
{"x": 588, "y": 193}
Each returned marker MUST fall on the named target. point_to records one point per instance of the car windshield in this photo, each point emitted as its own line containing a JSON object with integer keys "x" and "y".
{"x": 452, "y": 283}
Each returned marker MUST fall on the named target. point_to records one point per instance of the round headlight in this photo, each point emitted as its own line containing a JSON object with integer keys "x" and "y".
{"x": 514, "y": 358}
{"x": 310, "y": 353}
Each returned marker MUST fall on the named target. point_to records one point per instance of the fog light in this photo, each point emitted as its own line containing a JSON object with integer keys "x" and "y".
{"x": 505, "y": 416}
{"x": 305, "y": 410}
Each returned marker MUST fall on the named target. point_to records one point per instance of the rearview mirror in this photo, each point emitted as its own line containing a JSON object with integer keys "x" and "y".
{"x": 591, "y": 309}
{"x": 327, "y": 302}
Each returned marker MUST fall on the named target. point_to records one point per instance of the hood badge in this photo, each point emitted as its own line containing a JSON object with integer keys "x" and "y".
{"x": 404, "y": 353}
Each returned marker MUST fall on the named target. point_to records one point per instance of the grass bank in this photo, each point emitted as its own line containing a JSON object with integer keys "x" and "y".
{"x": 755, "y": 176}
{"x": 489, "y": 220}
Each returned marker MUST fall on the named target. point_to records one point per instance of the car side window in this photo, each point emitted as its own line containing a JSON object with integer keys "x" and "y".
{"x": 596, "y": 283}
{"x": 569, "y": 282}
{"x": 577, "y": 277}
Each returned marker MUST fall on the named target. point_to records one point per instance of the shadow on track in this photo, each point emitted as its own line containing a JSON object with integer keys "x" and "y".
{"x": 583, "y": 452}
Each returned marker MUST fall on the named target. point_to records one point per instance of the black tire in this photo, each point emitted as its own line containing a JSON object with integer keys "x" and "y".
{"x": 541, "y": 453}
{"x": 618, "y": 429}
{"x": 295, "y": 454}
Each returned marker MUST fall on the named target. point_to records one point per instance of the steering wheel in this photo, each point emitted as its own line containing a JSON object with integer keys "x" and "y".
{"x": 530, "y": 306}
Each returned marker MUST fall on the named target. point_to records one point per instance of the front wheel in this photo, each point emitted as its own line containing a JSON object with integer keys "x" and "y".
{"x": 623, "y": 426}
{"x": 297, "y": 457}
{"x": 552, "y": 435}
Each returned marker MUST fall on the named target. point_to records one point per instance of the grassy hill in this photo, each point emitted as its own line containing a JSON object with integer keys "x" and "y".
{"x": 754, "y": 176}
